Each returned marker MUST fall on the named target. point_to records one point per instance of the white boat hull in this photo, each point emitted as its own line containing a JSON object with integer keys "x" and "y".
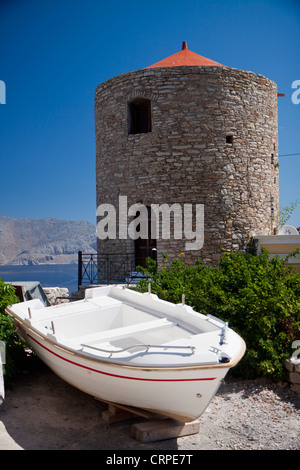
{"x": 179, "y": 391}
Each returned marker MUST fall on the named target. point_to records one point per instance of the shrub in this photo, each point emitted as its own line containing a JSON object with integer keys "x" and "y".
{"x": 259, "y": 296}
{"x": 13, "y": 346}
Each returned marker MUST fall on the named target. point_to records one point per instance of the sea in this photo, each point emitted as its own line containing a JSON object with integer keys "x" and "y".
{"x": 49, "y": 275}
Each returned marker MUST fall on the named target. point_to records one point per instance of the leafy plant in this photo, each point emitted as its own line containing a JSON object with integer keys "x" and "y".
{"x": 286, "y": 212}
{"x": 13, "y": 346}
{"x": 259, "y": 296}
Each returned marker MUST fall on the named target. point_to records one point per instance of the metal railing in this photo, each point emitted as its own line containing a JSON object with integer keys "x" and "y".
{"x": 110, "y": 268}
{"x": 145, "y": 348}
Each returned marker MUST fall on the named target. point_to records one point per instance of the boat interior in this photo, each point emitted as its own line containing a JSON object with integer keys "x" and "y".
{"x": 107, "y": 323}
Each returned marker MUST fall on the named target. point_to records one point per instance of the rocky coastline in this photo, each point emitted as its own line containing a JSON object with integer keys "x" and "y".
{"x": 44, "y": 241}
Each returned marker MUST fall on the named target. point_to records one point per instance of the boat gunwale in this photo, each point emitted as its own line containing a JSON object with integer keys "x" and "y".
{"x": 108, "y": 361}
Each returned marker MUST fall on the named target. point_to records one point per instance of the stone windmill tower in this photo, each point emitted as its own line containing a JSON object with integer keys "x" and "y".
{"x": 188, "y": 130}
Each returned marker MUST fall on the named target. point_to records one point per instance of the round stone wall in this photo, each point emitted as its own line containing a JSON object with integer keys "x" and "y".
{"x": 212, "y": 141}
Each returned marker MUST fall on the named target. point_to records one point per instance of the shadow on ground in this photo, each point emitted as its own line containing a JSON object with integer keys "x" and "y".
{"x": 41, "y": 411}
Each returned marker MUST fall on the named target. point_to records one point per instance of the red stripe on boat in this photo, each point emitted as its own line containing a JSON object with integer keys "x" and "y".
{"x": 115, "y": 375}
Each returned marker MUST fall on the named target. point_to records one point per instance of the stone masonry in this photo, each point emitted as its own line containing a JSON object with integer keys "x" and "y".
{"x": 293, "y": 368}
{"x": 213, "y": 141}
{"x": 56, "y": 295}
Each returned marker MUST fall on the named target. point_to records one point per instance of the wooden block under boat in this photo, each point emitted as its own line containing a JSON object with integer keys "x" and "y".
{"x": 114, "y": 415}
{"x": 116, "y": 412}
{"x": 160, "y": 429}
{"x": 156, "y": 428}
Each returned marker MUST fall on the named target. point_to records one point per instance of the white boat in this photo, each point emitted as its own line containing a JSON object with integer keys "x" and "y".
{"x": 134, "y": 349}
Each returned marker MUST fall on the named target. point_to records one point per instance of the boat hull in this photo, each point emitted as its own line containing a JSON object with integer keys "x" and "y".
{"x": 182, "y": 393}
{"x": 133, "y": 349}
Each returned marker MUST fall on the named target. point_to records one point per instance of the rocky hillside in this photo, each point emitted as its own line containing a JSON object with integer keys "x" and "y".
{"x": 44, "y": 241}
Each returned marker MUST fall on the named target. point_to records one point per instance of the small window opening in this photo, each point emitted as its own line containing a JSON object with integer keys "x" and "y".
{"x": 229, "y": 139}
{"x": 272, "y": 206}
{"x": 139, "y": 116}
{"x": 272, "y": 158}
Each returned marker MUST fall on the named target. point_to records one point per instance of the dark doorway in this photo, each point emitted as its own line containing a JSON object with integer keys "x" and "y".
{"x": 143, "y": 247}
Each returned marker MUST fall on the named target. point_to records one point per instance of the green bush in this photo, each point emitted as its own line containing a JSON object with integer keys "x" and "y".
{"x": 13, "y": 346}
{"x": 259, "y": 296}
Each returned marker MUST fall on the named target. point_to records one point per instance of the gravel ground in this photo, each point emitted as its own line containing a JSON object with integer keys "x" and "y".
{"x": 42, "y": 412}
{"x": 256, "y": 415}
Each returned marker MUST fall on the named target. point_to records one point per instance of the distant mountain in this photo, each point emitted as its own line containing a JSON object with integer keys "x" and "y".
{"x": 44, "y": 241}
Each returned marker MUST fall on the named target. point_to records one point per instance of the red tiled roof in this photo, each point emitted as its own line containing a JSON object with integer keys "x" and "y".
{"x": 185, "y": 57}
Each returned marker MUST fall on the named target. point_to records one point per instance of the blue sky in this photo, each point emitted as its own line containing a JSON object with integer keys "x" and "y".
{"x": 54, "y": 53}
